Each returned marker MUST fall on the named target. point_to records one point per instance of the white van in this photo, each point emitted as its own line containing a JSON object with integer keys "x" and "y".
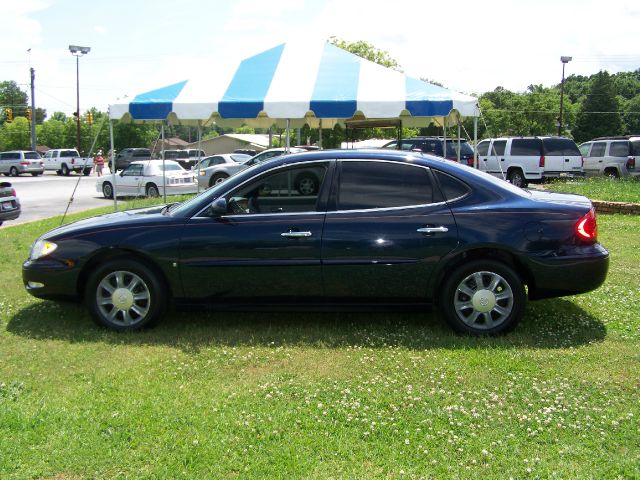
{"x": 524, "y": 160}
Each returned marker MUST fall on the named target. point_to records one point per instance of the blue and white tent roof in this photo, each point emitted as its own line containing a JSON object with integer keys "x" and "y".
{"x": 303, "y": 84}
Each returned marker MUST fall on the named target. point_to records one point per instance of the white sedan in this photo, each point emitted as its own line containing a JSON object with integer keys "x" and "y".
{"x": 145, "y": 178}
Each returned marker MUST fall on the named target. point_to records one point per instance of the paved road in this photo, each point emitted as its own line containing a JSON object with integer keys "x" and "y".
{"x": 48, "y": 195}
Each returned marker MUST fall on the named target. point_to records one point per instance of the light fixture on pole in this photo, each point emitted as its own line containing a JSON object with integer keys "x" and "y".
{"x": 564, "y": 61}
{"x": 78, "y": 52}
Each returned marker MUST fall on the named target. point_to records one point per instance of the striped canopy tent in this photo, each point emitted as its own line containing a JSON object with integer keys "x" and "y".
{"x": 296, "y": 84}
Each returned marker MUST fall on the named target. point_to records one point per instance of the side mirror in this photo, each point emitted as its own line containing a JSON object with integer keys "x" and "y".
{"x": 122, "y": 173}
{"x": 219, "y": 206}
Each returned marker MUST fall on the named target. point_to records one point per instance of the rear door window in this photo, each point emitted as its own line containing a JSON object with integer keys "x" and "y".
{"x": 374, "y": 185}
{"x": 498, "y": 147}
{"x": 560, "y": 147}
{"x": 597, "y": 150}
{"x": 526, "y": 147}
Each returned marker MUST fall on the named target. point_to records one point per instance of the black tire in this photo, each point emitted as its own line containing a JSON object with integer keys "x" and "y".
{"x": 217, "y": 178}
{"x": 495, "y": 308}
{"x": 86, "y": 171}
{"x": 65, "y": 170}
{"x": 612, "y": 173}
{"x": 124, "y": 295}
{"x": 306, "y": 184}
{"x": 152, "y": 190}
{"x": 13, "y": 171}
{"x": 516, "y": 177}
{"x": 58, "y": 172}
{"x": 107, "y": 190}
{"x": 36, "y": 174}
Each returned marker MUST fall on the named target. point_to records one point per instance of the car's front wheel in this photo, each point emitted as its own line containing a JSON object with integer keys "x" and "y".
{"x": 483, "y": 297}
{"x": 107, "y": 190}
{"x": 125, "y": 294}
{"x": 516, "y": 177}
{"x": 65, "y": 170}
{"x": 217, "y": 178}
{"x": 14, "y": 172}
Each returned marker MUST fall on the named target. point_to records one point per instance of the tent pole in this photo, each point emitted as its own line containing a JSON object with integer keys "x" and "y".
{"x": 164, "y": 178}
{"x": 444, "y": 144}
{"x": 270, "y": 137}
{"x": 320, "y": 135}
{"x": 299, "y": 140}
{"x": 475, "y": 142}
{"x": 288, "y": 139}
{"x": 458, "y": 138}
{"x": 113, "y": 164}
{"x": 199, "y": 158}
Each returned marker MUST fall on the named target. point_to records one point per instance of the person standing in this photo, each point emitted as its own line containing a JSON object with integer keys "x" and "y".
{"x": 99, "y": 163}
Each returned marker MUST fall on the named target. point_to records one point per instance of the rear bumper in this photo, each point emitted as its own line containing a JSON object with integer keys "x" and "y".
{"x": 583, "y": 271}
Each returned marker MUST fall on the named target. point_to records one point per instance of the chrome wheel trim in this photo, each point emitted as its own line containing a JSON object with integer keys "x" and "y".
{"x": 123, "y": 298}
{"x": 107, "y": 190}
{"x": 218, "y": 180}
{"x": 153, "y": 192}
{"x": 483, "y": 300}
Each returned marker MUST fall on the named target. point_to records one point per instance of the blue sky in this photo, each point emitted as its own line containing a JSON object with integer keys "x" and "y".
{"x": 468, "y": 46}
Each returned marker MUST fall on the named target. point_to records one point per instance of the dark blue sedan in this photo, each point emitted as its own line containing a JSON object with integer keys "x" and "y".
{"x": 382, "y": 229}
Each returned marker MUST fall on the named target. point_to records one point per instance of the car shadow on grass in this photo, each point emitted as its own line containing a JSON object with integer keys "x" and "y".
{"x": 556, "y": 323}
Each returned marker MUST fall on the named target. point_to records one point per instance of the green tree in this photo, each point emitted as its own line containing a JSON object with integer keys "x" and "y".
{"x": 599, "y": 113}
{"x": 13, "y": 97}
{"x": 16, "y": 135}
{"x": 367, "y": 51}
{"x": 632, "y": 116}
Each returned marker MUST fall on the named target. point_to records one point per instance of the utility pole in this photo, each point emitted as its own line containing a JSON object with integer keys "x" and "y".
{"x": 33, "y": 110}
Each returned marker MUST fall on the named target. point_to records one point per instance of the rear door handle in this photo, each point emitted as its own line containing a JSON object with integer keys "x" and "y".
{"x": 440, "y": 229}
{"x": 295, "y": 234}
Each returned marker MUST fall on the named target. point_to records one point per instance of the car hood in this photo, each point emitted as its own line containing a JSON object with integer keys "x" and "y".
{"x": 140, "y": 216}
{"x": 566, "y": 198}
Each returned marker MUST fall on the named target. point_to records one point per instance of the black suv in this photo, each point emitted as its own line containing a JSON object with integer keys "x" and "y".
{"x": 434, "y": 146}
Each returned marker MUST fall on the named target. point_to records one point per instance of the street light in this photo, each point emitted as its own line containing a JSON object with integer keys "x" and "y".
{"x": 77, "y": 52}
{"x": 564, "y": 61}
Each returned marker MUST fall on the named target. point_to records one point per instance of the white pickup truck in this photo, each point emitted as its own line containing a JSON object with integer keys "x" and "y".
{"x": 67, "y": 160}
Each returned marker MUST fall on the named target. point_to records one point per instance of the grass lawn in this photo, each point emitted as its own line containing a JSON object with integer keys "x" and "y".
{"x": 600, "y": 188}
{"x": 322, "y": 395}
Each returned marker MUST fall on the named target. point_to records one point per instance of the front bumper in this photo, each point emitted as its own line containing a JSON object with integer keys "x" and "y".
{"x": 49, "y": 279}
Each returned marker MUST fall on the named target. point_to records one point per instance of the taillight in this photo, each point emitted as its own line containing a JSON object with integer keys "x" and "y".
{"x": 24, "y": 163}
{"x": 631, "y": 163}
{"x": 587, "y": 228}
{"x": 470, "y": 162}
{"x": 541, "y": 162}
{"x": 13, "y": 192}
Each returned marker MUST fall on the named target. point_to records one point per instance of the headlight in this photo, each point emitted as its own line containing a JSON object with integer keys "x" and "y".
{"x": 42, "y": 248}
{"x": 202, "y": 173}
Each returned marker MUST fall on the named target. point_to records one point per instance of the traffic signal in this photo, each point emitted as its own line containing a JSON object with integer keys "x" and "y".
{"x": 9, "y": 113}
{"x": 90, "y": 118}
{"x": 28, "y": 113}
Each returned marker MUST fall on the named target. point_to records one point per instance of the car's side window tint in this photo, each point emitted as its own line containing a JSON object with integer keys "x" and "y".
{"x": 498, "y": 147}
{"x": 452, "y": 188}
{"x": 619, "y": 149}
{"x": 367, "y": 185}
{"x": 483, "y": 148}
{"x": 288, "y": 190}
{"x": 133, "y": 170}
{"x": 597, "y": 150}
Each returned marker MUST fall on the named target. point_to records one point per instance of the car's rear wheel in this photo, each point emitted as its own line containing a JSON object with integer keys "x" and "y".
{"x": 152, "y": 190}
{"x": 612, "y": 173}
{"x": 65, "y": 170}
{"x": 107, "y": 190}
{"x": 483, "y": 297}
{"x": 125, "y": 294}
{"x": 86, "y": 171}
{"x": 516, "y": 177}
{"x": 217, "y": 178}
{"x": 13, "y": 171}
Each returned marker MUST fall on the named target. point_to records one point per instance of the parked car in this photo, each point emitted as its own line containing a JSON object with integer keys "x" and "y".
{"x": 195, "y": 155}
{"x": 246, "y": 151}
{"x": 9, "y": 203}
{"x": 525, "y": 160}
{"x": 385, "y": 229}
{"x": 435, "y": 146}
{"x": 271, "y": 153}
{"x": 16, "y": 162}
{"x": 611, "y": 156}
{"x": 66, "y": 160}
{"x": 217, "y": 168}
{"x": 146, "y": 179}
{"x": 180, "y": 156}
{"x": 128, "y": 155}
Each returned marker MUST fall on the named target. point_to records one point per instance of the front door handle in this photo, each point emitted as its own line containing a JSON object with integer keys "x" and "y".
{"x": 295, "y": 234}
{"x": 440, "y": 229}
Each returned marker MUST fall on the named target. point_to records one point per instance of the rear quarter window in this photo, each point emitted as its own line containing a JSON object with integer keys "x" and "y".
{"x": 634, "y": 147}
{"x": 560, "y": 146}
{"x": 619, "y": 149}
{"x": 452, "y": 188}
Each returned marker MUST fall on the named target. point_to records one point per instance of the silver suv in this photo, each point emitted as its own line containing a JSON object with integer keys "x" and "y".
{"x": 16, "y": 162}
{"x": 524, "y": 160}
{"x": 611, "y": 156}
